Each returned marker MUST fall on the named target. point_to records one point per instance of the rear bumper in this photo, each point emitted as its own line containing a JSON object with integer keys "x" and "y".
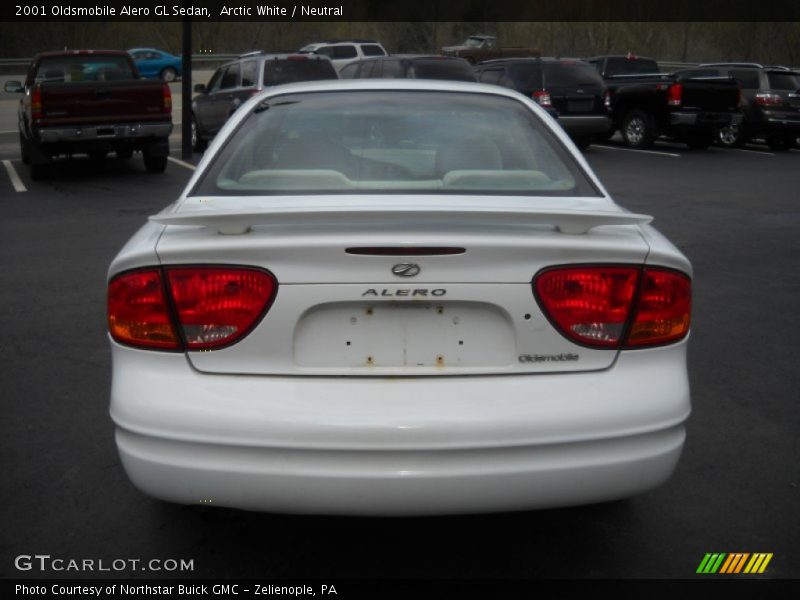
{"x": 402, "y": 446}
{"x": 106, "y": 132}
{"x": 704, "y": 120}
{"x": 587, "y": 125}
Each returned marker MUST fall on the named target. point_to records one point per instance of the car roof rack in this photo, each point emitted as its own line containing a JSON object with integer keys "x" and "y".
{"x": 733, "y": 64}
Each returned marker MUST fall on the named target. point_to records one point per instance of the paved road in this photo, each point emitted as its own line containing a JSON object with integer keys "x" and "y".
{"x": 734, "y": 213}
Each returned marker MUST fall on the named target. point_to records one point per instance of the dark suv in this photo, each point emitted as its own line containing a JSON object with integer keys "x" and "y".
{"x": 569, "y": 89}
{"x": 410, "y": 66}
{"x": 235, "y": 82}
{"x": 770, "y": 102}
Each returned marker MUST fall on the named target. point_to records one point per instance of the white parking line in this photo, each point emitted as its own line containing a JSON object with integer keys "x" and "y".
{"x": 755, "y": 151}
{"x": 10, "y": 131}
{"x": 636, "y": 150}
{"x": 181, "y": 163}
{"x": 15, "y": 180}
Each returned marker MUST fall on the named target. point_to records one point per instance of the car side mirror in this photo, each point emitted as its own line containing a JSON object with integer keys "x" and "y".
{"x": 200, "y": 88}
{"x": 13, "y": 87}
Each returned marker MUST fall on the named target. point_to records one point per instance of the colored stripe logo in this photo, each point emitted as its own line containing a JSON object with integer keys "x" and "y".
{"x": 734, "y": 563}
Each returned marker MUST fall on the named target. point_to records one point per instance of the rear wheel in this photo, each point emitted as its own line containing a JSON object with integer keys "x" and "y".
{"x": 699, "y": 141}
{"x": 638, "y": 130}
{"x": 779, "y": 144}
{"x": 154, "y": 164}
{"x": 730, "y": 136}
{"x": 169, "y": 74}
{"x": 24, "y": 150}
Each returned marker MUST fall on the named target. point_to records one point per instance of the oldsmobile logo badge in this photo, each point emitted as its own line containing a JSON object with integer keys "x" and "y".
{"x": 406, "y": 270}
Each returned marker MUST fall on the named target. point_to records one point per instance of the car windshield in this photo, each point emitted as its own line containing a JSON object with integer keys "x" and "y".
{"x": 570, "y": 73}
{"x": 474, "y": 42}
{"x": 393, "y": 142}
{"x": 81, "y": 67}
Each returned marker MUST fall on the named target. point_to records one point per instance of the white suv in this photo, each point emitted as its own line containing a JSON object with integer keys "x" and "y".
{"x": 344, "y": 52}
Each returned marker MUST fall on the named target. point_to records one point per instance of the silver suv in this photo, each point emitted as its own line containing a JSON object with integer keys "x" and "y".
{"x": 344, "y": 52}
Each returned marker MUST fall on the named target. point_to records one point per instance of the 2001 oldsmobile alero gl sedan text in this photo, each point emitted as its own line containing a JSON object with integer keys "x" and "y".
{"x": 397, "y": 297}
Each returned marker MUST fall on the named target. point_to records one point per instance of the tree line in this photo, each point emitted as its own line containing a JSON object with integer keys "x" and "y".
{"x": 768, "y": 43}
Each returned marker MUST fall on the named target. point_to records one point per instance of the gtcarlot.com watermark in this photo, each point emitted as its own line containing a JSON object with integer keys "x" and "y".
{"x": 44, "y": 563}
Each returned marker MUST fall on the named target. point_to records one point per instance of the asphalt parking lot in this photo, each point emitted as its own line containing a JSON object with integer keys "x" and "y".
{"x": 735, "y": 213}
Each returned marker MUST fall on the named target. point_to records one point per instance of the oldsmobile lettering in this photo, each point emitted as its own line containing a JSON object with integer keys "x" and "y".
{"x": 399, "y": 292}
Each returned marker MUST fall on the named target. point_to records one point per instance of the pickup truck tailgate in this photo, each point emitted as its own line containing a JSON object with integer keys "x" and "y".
{"x": 92, "y": 102}
{"x": 711, "y": 94}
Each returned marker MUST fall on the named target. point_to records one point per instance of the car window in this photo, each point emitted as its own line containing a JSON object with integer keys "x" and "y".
{"x": 749, "y": 79}
{"x": 393, "y": 141}
{"x": 393, "y": 69}
{"x": 491, "y": 76}
{"x": 372, "y": 50}
{"x": 231, "y": 77}
{"x": 370, "y": 69}
{"x": 630, "y": 66}
{"x": 350, "y": 71}
{"x": 570, "y": 73}
{"x": 83, "y": 67}
{"x": 324, "y": 51}
{"x": 280, "y": 71}
{"x": 784, "y": 81}
{"x": 213, "y": 83}
{"x": 249, "y": 73}
{"x": 340, "y": 52}
{"x": 434, "y": 68}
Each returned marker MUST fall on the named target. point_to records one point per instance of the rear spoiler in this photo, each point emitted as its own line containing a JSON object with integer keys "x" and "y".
{"x": 237, "y": 222}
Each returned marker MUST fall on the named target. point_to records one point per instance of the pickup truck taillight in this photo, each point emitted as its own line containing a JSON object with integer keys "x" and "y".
{"x": 167, "y": 98}
{"x": 768, "y": 99}
{"x": 675, "y": 94}
{"x": 616, "y": 306}
{"x": 543, "y": 98}
{"x": 187, "y": 307}
{"x": 607, "y": 100}
{"x": 36, "y": 103}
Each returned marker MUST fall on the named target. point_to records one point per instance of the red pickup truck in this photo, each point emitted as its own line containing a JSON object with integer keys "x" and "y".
{"x": 91, "y": 102}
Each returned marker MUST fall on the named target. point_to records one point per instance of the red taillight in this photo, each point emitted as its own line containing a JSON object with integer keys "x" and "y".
{"x": 138, "y": 313}
{"x": 167, "y": 98}
{"x": 36, "y": 103}
{"x": 768, "y": 99}
{"x": 542, "y": 97}
{"x": 214, "y": 306}
{"x": 616, "y": 306}
{"x": 675, "y": 94}
{"x": 607, "y": 100}
{"x": 663, "y": 308}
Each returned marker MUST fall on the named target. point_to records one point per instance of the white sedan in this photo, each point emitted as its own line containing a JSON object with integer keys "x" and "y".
{"x": 397, "y": 297}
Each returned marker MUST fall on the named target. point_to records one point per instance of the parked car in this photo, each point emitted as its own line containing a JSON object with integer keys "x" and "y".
{"x": 397, "y": 297}
{"x": 157, "y": 64}
{"x": 477, "y": 48}
{"x": 770, "y": 103}
{"x": 646, "y": 105}
{"x": 233, "y": 83}
{"x": 91, "y": 102}
{"x": 409, "y": 66}
{"x": 344, "y": 52}
{"x": 571, "y": 90}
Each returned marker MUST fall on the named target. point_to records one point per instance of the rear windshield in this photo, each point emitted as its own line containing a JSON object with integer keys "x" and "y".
{"x": 278, "y": 71}
{"x": 630, "y": 66}
{"x": 82, "y": 67}
{"x": 454, "y": 70}
{"x": 784, "y": 81}
{"x": 393, "y": 142}
{"x": 570, "y": 74}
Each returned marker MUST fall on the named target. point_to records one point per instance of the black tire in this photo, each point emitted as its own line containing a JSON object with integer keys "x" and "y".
{"x": 198, "y": 143}
{"x": 582, "y": 142}
{"x": 124, "y": 154}
{"x": 731, "y": 136}
{"x": 779, "y": 144}
{"x": 39, "y": 171}
{"x": 638, "y": 130}
{"x": 154, "y": 164}
{"x": 24, "y": 150}
{"x": 699, "y": 141}
{"x": 168, "y": 74}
